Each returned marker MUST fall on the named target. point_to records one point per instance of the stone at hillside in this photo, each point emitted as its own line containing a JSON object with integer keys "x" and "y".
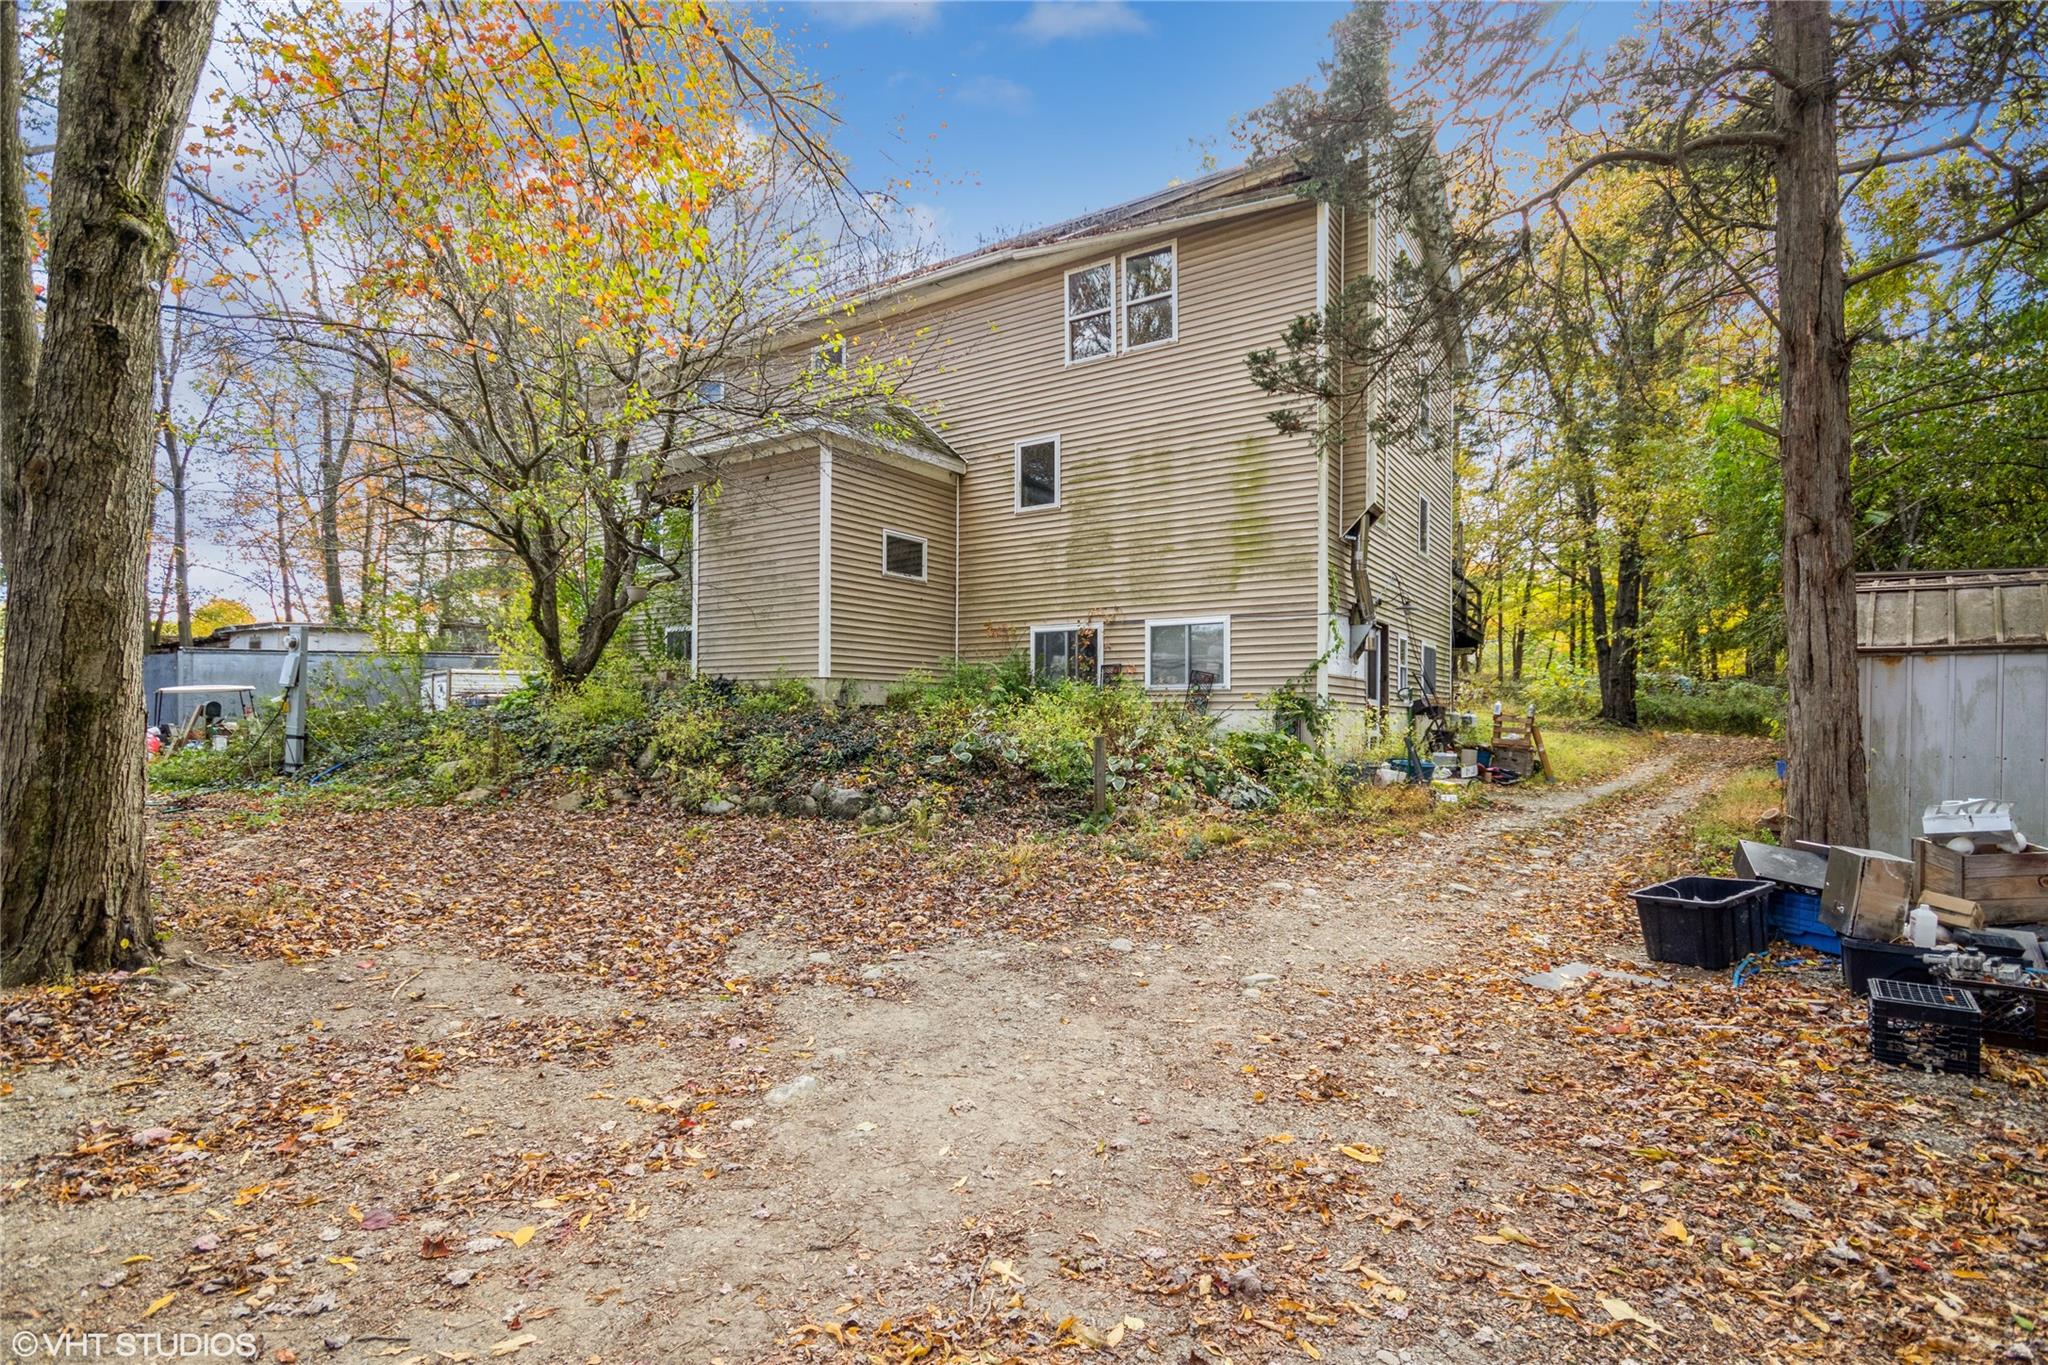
{"x": 719, "y": 808}
{"x": 877, "y": 815}
{"x": 448, "y": 770}
{"x": 790, "y": 1091}
{"x": 844, "y": 803}
{"x": 568, "y": 802}
{"x": 759, "y": 805}
{"x": 1122, "y": 945}
{"x": 649, "y": 758}
{"x": 818, "y": 790}
{"x": 475, "y": 796}
{"x": 802, "y": 805}
{"x": 1257, "y": 979}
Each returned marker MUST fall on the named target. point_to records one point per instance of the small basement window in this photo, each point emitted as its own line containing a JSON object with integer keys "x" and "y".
{"x": 1149, "y": 298}
{"x": 1091, "y": 312}
{"x": 1182, "y": 655}
{"x": 679, "y": 642}
{"x": 902, "y": 556}
{"x": 1038, "y": 473}
{"x": 1059, "y": 652}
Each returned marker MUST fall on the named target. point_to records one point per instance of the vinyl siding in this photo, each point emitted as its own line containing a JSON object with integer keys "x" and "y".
{"x": 757, "y": 578}
{"x": 884, "y": 627}
{"x": 1410, "y": 467}
{"x": 1178, "y": 497}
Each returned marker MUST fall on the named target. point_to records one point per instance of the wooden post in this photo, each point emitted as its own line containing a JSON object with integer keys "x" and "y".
{"x": 1101, "y": 774}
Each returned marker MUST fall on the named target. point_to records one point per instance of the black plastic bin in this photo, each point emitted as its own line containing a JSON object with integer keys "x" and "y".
{"x": 1865, "y": 960}
{"x": 1934, "y": 1028}
{"x": 1711, "y": 922}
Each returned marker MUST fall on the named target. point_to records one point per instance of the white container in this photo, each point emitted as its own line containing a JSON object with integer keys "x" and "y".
{"x": 1922, "y": 927}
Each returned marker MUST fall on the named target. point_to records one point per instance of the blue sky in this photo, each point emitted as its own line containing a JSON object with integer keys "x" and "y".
{"x": 1008, "y": 116}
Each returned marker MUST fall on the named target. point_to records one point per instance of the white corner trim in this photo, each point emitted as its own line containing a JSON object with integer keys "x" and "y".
{"x": 1323, "y": 436}
{"x": 696, "y": 559}
{"x": 824, "y": 561}
{"x": 958, "y": 560}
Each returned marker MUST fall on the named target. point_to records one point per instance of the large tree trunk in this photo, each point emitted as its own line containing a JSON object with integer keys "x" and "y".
{"x": 73, "y": 887}
{"x": 1825, "y": 795}
{"x": 1622, "y": 642}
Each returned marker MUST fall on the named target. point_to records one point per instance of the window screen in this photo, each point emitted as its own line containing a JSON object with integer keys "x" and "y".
{"x": 1189, "y": 654}
{"x": 1148, "y": 297}
{"x": 902, "y": 556}
{"x": 1429, "y": 669}
{"x": 676, "y": 642}
{"x": 1038, "y": 474}
{"x": 1091, "y": 312}
{"x": 1065, "y": 652}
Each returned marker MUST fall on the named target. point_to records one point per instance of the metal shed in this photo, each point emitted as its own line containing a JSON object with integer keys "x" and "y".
{"x": 1953, "y": 673}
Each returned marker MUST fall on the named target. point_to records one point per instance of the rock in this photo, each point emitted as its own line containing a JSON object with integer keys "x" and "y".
{"x": 1485, "y": 1336}
{"x": 474, "y": 796}
{"x": 802, "y": 805}
{"x": 792, "y": 1090}
{"x": 1244, "y": 1280}
{"x": 872, "y": 973}
{"x": 650, "y": 758}
{"x": 1257, "y": 979}
{"x": 878, "y": 815}
{"x": 1253, "y": 993}
{"x": 568, "y": 802}
{"x": 151, "y": 1137}
{"x": 718, "y": 807}
{"x": 330, "y": 1234}
{"x": 1122, "y": 945}
{"x": 736, "y": 1043}
{"x": 323, "y": 1302}
{"x": 819, "y": 959}
{"x": 759, "y": 805}
{"x": 335, "y": 1343}
{"x": 205, "y": 1243}
{"x": 818, "y": 790}
{"x": 461, "y": 1277}
{"x": 479, "y": 1246}
{"x": 447, "y": 771}
{"x": 844, "y": 803}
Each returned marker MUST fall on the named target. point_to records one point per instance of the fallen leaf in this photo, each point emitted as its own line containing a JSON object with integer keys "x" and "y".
{"x": 1619, "y": 1310}
{"x": 1675, "y": 1231}
{"x": 511, "y": 1344}
{"x": 159, "y": 1305}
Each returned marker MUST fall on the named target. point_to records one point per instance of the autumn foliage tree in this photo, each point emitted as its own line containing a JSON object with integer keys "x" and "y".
{"x": 563, "y": 235}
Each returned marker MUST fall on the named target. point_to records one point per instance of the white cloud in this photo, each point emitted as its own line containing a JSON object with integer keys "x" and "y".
{"x": 996, "y": 92}
{"x": 912, "y": 16}
{"x": 1048, "y": 21}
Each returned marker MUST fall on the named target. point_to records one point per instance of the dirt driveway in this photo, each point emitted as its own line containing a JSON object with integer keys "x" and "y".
{"x": 638, "y": 1092}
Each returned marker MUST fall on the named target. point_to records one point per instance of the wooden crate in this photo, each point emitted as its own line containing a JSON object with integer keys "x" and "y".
{"x": 2012, "y": 887}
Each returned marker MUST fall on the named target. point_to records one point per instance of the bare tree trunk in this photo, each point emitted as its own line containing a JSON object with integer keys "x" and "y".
{"x": 1624, "y": 638}
{"x": 1825, "y": 794}
{"x": 79, "y": 483}
{"x": 330, "y": 510}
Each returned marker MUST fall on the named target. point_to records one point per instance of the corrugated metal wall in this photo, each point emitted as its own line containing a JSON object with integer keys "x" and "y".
{"x": 1954, "y": 724}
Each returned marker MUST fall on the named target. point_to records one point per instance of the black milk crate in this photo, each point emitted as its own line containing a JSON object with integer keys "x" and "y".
{"x": 1935, "y": 1028}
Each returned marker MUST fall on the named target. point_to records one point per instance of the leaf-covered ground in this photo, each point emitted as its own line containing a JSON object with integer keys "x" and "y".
{"x": 439, "y": 1084}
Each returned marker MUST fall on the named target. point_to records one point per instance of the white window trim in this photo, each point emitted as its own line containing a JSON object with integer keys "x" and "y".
{"x": 1124, "y": 301}
{"x": 1397, "y": 674}
{"x": 1422, "y": 524}
{"x": 1060, "y": 627}
{"x": 1115, "y": 292}
{"x": 924, "y": 556}
{"x": 1059, "y": 474}
{"x": 1222, "y": 684}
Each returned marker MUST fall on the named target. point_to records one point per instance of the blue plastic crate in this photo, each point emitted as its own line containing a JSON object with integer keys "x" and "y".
{"x": 1794, "y": 917}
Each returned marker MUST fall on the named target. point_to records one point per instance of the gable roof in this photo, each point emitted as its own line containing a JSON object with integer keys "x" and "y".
{"x": 1244, "y": 188}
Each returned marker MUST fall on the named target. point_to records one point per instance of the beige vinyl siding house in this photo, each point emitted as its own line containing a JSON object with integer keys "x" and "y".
{"x": 1102, "y": 488}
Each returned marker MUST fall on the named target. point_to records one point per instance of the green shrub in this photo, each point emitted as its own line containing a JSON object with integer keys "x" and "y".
{"x": 199, "y": 766}
{"x": 1055, "y": 729}
{"x": 688, "y": 738}
{"x": 768, "y": 700}
{"x": 1734, "y": 707}
{"x": 766, "y": 757}
{"x": 693, "y": 786}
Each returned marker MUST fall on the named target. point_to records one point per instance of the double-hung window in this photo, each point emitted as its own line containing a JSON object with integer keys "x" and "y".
{"x": 1038, "y": 473}
{"x": 1186, "y": 654}
{"x": 1150, "y": 297}
{"x": 1422, "y": 524}
{"x": 1091, "y": 312}
{"x": 1066, "y": 652}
